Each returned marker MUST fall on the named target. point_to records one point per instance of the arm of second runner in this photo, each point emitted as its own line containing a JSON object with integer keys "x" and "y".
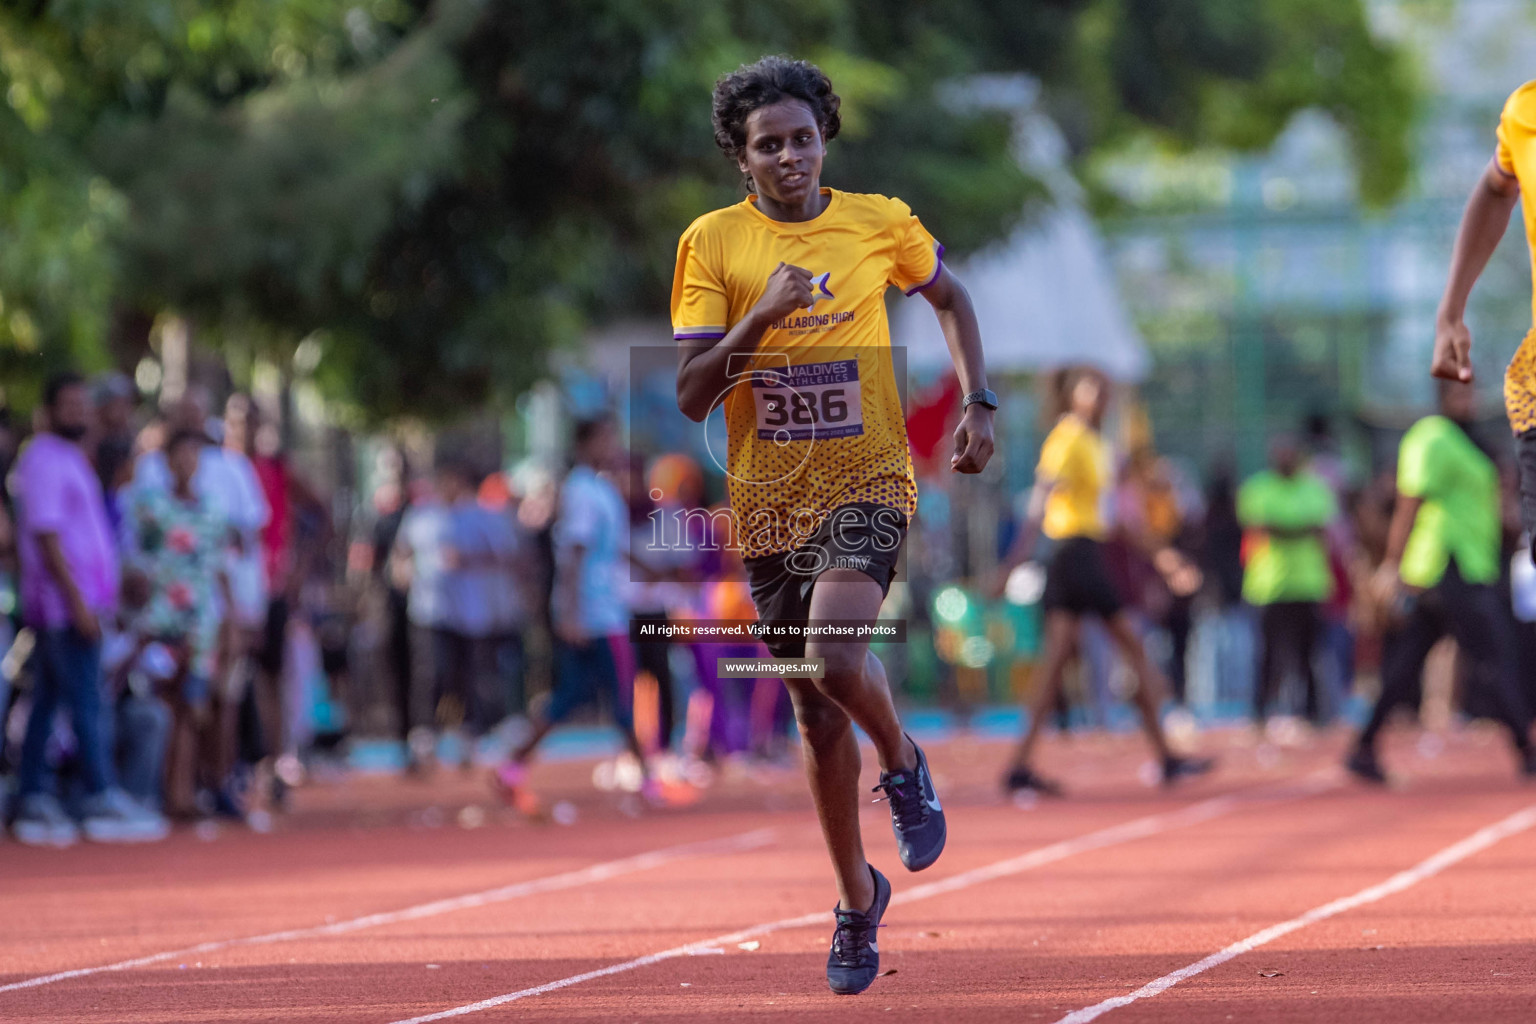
{"x": 1483, "y": 222}
{"x": 957, "y": 317}
{"x": 1023, "y": 547}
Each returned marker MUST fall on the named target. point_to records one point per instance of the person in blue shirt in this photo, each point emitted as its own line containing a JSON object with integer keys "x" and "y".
{"x": 588, "y": 610}
{"x": 452, "y": 603}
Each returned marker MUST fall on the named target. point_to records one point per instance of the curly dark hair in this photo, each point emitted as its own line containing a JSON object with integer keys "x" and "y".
{"x": 770, "y": 80}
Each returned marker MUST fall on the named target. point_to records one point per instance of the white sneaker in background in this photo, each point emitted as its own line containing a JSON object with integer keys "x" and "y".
{"x": 40, "y": 821}
{"x": 113, "y": 816}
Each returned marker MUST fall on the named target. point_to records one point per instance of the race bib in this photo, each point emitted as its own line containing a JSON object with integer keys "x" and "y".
{"x": 809, "y": 401}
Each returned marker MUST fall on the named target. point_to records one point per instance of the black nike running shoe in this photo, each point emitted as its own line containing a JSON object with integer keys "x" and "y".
{"x": 855, "y": 958}
{"x": 917, "y": 819}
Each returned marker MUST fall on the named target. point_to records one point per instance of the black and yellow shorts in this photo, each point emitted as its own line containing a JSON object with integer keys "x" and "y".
{"x": 861, "y": 536}
{"x": 1520, "y": 407}
{"x": 1520, "y": 387}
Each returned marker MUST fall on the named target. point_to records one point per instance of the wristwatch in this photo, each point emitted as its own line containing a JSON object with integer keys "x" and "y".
{"x": 984, "y": 398}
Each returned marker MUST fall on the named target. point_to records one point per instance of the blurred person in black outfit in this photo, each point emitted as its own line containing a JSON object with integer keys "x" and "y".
{"x": 1221, "y": 561}
{"x": 1221, "y": 538}
{"x": 390, "y": 502}
{"x": 116, "y": 400}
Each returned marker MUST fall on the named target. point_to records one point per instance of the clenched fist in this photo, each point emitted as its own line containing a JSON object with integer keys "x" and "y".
{"x": 973, "y": 440}
{"x": 789, "y": 289}
{"x": 1453, "y": 351}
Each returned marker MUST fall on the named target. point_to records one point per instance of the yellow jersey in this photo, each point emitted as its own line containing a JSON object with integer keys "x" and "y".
{"x": 813, "y": 417}
{"x": 1516, "y": 155}
{"x": 1074, "y": 463}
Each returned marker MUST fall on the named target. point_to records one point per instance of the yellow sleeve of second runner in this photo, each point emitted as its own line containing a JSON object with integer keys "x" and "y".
{"x": 1517, "y": 122}
{"x": 1057, "y": 453}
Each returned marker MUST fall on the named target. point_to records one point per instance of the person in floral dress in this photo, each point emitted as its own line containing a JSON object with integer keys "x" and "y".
{"x": 175, "y": 540}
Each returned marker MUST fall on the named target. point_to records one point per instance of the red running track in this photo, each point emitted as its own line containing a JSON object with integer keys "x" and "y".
{"x": 375, "y": 904}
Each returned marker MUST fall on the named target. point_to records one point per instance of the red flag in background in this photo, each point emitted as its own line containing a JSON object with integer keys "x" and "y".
{"x": 933, "y": 414}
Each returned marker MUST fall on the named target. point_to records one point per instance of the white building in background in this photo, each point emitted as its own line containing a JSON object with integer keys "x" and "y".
{"x": 1047, "y": 297}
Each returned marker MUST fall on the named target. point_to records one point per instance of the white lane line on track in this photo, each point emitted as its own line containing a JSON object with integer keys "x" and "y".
{"x": 1427, "y": 868}
{"x": 517, "y": 890}
{"x": 1114, "y": 835}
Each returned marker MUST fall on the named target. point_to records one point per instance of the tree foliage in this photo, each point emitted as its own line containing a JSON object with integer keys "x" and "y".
{"x": 443, "y": 191}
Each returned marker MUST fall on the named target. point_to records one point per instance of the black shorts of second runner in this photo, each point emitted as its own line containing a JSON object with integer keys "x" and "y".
{"x": 1077, "y": 580}
{"x": 861, "y": 536}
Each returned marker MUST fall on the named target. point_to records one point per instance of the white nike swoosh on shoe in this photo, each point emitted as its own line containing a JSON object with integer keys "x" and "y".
{"x": 874, "y": 948}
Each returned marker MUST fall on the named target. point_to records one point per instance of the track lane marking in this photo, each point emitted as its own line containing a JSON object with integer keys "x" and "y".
{"x": 1113, "y": 835}
{"x": 553, "y": 883}
{"x": 1454, "y": 854}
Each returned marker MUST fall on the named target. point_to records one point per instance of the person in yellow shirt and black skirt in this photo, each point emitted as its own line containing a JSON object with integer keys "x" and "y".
{"x": 1493, "y": 199}
{"x": 1066, "y": 505}
{"x": 778, "y": 307}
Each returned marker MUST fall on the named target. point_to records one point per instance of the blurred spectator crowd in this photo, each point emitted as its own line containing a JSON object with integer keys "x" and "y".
{"x": 190, "y": 627}
{"x": 175, "y": 648}
{"x": 153, "y": 567}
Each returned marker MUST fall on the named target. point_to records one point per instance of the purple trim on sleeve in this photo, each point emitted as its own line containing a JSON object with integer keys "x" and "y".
{"x": 938, "y": 265}
{"x": 691, "y": 335}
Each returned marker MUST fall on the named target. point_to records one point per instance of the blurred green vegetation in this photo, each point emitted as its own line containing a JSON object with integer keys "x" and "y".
{"x": 441, "y": 192}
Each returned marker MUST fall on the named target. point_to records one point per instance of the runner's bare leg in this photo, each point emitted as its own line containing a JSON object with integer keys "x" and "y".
{"x": 1060, "y": 633}
{"x": 832, "y": 765}
{"x": 855, "y": 679}
{"x": 1151, "y": 686}
{"x": 854, "y": 689}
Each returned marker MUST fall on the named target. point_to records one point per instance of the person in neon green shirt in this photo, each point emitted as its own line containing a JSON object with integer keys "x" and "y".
{"x": 1441, "y": 569}
{"x": 1285, "y": 510}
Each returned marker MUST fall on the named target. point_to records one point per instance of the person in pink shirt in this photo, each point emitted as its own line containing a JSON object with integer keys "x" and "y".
{"x": 69, "y": 584}
{"x": 69, "y": 569}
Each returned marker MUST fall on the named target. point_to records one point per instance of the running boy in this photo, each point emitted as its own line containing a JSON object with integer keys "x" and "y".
{"x": 778, "y": 303}
{"x": 1483, "y": 223}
